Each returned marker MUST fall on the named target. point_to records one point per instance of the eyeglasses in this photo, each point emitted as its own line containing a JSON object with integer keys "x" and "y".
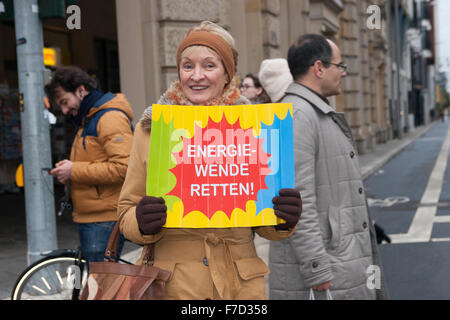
{"x": 246, "y": 86}
{"x": 341, "y": 66}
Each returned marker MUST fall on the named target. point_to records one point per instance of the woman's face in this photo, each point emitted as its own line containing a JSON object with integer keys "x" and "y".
{"x": 202, "y": 74}
{"x": 249, "y": 90}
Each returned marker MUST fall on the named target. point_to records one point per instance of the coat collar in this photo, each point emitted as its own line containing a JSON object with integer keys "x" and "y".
{"x": 315, "y": 101}
{"x": 303, "y": 92}
{"x": 174, "y": 96}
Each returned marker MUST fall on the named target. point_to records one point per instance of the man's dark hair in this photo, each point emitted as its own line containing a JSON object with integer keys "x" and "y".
{"x": 69, "y": 78}
{"x": 308, "y": 49}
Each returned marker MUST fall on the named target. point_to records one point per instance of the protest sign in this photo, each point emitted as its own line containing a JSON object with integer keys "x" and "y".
{"x": 220, "y": 166}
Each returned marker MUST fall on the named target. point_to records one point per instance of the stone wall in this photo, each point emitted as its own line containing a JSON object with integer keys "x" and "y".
{"x": 265, "y": 29}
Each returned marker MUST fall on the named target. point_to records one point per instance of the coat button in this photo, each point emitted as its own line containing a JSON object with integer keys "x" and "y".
{"x": 360, "y": 190}
{"x": 364, "y": 225}
{"x": 315, "y": 265}
{"x": 352, "y": 154}
{"x": 205, "y": 261}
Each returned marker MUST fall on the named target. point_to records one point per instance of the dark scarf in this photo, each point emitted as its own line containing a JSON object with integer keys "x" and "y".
{"x": 86, "y": 104}
{"x": 316, "y": 93}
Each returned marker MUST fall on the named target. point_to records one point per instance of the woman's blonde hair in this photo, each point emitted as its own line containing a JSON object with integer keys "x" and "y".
{"x": 218, "y": 30}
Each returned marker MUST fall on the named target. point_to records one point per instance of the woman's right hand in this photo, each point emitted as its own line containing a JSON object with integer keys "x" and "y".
{"x": 151, "y": 214}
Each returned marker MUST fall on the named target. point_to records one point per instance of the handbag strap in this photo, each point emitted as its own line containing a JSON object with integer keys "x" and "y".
{"x": 111, "y": 248}
{"x": 149, "y": 257}
{"x": 312, "y": 297}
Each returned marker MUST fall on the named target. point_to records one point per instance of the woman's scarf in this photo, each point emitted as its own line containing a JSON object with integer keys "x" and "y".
{"x": 86, "y": 104}
{"x": 230, "y": 95}
{"x": 175, "y": 96}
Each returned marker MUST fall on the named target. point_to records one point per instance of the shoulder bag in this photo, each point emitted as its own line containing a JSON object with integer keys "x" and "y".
{"x": 110, "y": 280}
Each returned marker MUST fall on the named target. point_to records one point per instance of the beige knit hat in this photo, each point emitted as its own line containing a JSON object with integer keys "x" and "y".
{"x": 275, "y": 77}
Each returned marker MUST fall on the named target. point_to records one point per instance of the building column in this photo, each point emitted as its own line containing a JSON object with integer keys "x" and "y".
{"x": 139, "y": 76}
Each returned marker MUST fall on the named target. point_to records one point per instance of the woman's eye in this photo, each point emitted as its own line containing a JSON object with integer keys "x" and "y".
{"x": 187, "y": 66}
{"x": 210, "y": 66}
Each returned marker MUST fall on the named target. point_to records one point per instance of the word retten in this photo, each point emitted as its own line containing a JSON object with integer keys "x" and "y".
{"x": 221, "y": 189}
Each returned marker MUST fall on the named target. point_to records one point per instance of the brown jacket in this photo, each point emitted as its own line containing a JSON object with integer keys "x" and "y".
{"x": 100, "y": 163}
{"x": 205, "y": 263}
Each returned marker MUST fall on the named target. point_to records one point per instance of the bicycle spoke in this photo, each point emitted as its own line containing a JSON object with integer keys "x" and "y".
{"x": 46, "y": 283}
{"x": 38, "y": 289}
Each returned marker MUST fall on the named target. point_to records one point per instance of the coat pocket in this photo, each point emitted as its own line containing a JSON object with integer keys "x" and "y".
{"x": 334, "y": 220}
{"x": 167, "y": 266}
{"x": 250, "y": 268}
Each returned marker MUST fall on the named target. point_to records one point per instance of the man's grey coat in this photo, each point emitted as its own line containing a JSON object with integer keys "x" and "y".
{"x": 335, "y": 238}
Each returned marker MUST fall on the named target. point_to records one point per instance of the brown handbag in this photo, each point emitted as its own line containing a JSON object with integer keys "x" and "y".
{"x": 110, "y": 280}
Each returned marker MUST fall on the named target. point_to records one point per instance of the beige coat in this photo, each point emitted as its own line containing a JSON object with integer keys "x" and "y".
{"x": 205, "y": 263}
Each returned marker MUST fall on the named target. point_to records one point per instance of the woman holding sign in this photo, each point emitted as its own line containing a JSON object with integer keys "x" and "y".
{"x": 206, "y": 263}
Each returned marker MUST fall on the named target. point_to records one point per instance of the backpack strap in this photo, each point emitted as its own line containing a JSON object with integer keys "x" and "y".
{"x": 90, "y": 124}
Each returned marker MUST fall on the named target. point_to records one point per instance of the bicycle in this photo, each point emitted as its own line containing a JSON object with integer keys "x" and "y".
{"x": 59, "y": 275}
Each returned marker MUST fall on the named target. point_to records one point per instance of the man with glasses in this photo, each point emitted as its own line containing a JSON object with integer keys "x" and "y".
{"x": 334, "y": 247}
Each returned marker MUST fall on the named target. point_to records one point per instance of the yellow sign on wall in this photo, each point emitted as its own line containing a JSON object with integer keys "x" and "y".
{"x": 49, "y": 57}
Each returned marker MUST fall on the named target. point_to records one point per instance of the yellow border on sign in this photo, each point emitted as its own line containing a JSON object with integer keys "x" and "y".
{"x": 200, "y": 115}
{"x": 239, "y": 217}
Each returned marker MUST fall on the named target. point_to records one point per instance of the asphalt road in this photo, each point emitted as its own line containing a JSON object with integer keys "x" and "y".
{"x": 410, "y": 198}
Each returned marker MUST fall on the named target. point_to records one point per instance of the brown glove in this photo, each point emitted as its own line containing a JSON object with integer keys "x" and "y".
{"x": 151, "y": 214}
{"x": 287, "y": 206}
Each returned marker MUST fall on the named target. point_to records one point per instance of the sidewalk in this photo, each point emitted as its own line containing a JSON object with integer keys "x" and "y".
{"x": 372, "y": 161}
{"x": 13, "y": 243}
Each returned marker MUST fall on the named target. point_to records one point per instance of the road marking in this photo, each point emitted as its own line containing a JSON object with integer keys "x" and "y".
{"x": 422, "y": 224}
{"x": 440, "y": 239}
{"x": 441, "y": 219}
{"x": 388, "y": 202}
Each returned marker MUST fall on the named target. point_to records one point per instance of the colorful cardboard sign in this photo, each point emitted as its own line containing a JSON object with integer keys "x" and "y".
{"x": 220, "y": 166}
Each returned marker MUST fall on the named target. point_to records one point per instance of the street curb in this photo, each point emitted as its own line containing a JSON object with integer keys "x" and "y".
{"x": 373, "y": 166}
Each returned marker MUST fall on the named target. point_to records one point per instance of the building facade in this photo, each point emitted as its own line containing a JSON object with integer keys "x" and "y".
{"x": 130, "y": 46}
{"x": 149, "y": 32}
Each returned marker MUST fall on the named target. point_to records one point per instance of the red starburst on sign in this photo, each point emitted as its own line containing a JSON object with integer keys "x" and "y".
{"x": 219, "y": 169}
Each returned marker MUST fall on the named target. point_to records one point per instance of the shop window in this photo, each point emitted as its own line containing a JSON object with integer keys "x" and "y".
{"x": 107, "y": 62}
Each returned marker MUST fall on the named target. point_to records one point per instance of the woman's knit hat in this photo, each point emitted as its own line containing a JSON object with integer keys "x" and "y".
{"x": 213, "y": 41}
{"x": 275, "y": 77}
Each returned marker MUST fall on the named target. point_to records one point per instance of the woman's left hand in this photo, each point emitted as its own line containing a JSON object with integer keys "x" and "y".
{"x": 287, "y": 206}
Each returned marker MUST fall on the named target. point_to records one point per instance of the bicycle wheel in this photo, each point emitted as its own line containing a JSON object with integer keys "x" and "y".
{"x": 52, "y": 278}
